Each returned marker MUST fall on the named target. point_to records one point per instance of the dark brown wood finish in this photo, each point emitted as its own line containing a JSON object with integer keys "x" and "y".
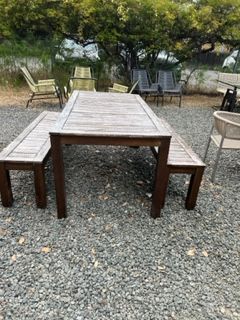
{"x": 109, "y": 119}
{"x": 29, "y": 151}
{"x": 182, "y": 159}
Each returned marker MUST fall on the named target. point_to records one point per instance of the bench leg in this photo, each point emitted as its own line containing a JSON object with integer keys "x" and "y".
{"x": 161, "y": 179}
{"x": 193, "y": 188}
{"x": 40, "y": 187}
{"x": 5, "y": 187}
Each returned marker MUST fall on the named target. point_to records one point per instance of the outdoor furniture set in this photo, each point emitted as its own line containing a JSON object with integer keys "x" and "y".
{"x": 99, "y": 118}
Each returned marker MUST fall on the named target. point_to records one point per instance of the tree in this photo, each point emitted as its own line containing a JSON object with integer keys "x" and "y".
{"x": 129, "y": 30}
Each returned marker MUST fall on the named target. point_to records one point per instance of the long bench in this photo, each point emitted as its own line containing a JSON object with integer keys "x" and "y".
{"x": 182, "y": 159}
{"x": 29, "y": 151}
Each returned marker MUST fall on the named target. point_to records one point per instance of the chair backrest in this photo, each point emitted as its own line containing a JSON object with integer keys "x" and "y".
{"x": 85, "y": 84}
{"x": 166, "y": 79}
{"x": 231, "y": 78}
{"x": 144, "y": 81}
{"x": 82, "y": 72}
{"x": 118, "y": 88}
{"x": 227, "y": 124}
{"x": 28, "y": 77}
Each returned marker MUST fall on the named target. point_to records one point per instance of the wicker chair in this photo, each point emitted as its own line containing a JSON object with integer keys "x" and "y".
{"x": 227, "y": 125}
{"x": 84, "y": 84}
{"x": 118, "y": 88}
{"x": 42, "y": 89}
{"x": 81, "y": 79}
{"x": 82, "y": 72}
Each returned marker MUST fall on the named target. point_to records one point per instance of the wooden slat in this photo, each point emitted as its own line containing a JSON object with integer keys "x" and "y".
{"x": 108, "y": 114}
{"x": 33, "y": 144}
{"x": 180, "y": 154}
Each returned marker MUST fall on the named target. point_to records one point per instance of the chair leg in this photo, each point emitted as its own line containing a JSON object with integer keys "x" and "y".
{"x": 30, "y": 100}
{"x": 208, "y": 144}
{"x": 59, "y": 95}
{"x": 5, "y": 187}
{"x": 180, "y": 101}
{"x": 216, "y": 162}
{"x": 40, "y": 187}
{"x": 195, "y": 182}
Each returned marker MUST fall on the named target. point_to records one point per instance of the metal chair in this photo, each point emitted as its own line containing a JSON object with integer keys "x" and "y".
{"x": 227, "y": 125}
{"x": 144, "y": 86}
{"x": 42, "y": 89}
{"x": 170, "y": 87}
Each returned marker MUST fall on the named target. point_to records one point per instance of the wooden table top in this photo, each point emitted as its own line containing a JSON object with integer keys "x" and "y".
{"x": 98, "y": 114}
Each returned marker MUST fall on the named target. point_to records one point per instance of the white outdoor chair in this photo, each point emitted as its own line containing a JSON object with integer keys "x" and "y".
{"x": 227, "y": 125}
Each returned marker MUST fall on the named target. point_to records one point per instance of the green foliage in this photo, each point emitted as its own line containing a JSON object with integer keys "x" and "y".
{"x": 32, "y": 52}
{"x": 131, "y": 32}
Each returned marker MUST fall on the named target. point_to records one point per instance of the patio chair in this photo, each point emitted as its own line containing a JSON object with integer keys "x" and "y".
{"x": 82, "y": 72}
{"x": 170, "y": 87}
{"x": 75, "y": 83}
{"x": 228, "y": 84}
{"x": 144, "y": 86}
{"x": 227, "y": 125}
{"x": 42, "y": 89}
{"x": 118, "y": 88}
{"x": 122, "y": 89}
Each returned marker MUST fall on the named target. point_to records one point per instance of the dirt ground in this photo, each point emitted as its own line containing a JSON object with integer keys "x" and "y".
{"x": 10, "y": 97}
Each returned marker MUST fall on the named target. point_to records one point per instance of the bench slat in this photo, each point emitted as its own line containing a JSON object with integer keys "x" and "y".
{"x": 180, "y": 154}
{"x": 33, "y": 143}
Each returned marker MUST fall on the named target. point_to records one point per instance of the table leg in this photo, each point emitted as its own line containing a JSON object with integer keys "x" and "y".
{"x": 58, "y": 171}
{"x": 161, "y": 179}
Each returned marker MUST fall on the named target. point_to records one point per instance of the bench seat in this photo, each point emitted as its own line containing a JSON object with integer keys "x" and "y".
{"x": 182, "y": 159}
{"x": 29, "y": 151}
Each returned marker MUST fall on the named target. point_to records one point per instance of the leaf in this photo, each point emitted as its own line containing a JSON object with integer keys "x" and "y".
{"x": 191, "y": 252}
{"x": 103, "y": 197}
{"x": 162, "y": 268}
{"x": 3, "y": 232}
{"x": 108, "y": 227}
{"x": 21, "y": 240}
{"x": 46, "y": 249}
{"x": 205, "y": 253}
{"x": 14, "y": 258}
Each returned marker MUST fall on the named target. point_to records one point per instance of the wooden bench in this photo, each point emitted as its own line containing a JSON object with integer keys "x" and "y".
{"x": 29, "y": 151}
{"x": 182, "y": 159}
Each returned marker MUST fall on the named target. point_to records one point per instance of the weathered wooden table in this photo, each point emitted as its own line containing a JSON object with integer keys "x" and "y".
{"x": 100, "y": 118}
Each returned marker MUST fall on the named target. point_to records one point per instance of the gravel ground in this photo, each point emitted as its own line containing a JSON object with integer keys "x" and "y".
{"x": 109, "y": 259}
